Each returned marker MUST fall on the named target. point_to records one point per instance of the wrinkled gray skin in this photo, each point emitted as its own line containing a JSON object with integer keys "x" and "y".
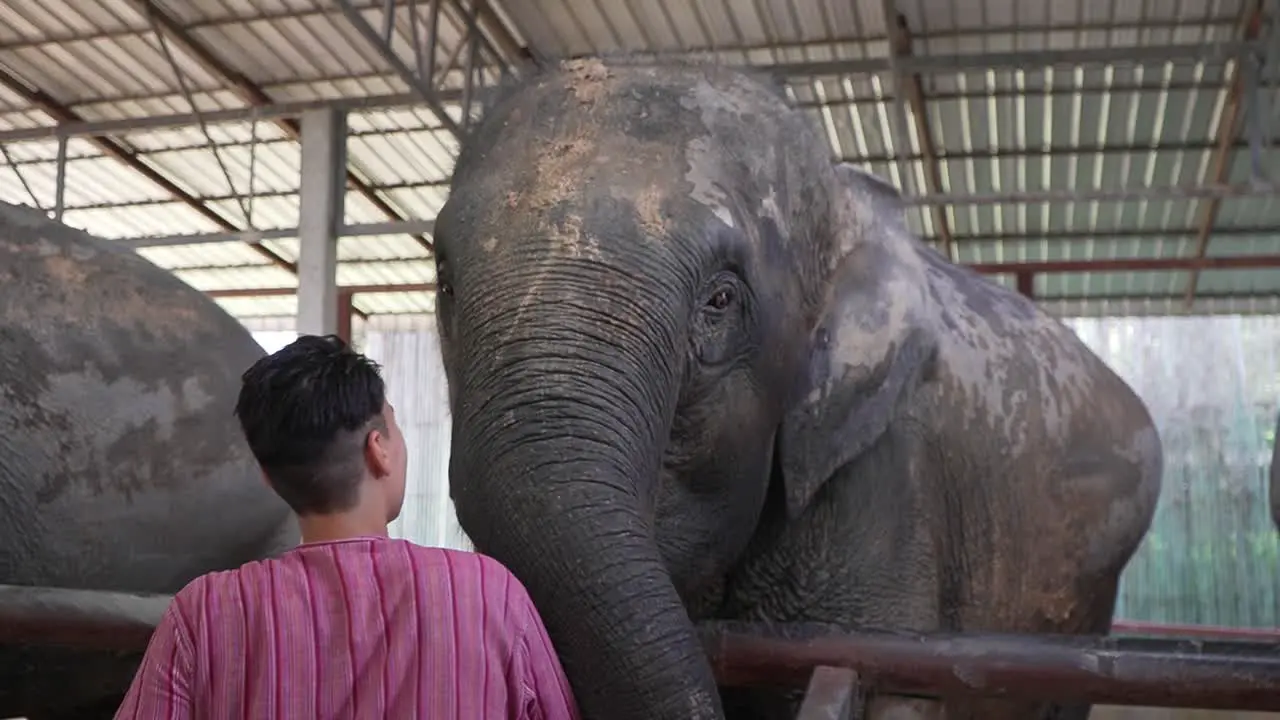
{"x": 121, "y": 463}
{"x": 697, "y": 372}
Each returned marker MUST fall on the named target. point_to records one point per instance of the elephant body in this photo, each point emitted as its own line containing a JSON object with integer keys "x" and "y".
{"x": 121, "y": 463}
{"x": 699, "y": 372}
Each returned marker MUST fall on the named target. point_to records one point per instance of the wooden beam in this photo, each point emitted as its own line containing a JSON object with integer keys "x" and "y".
{"x": 1228, "y": 134}
{"x": 345, "y": 312}
{"x": 1027, "y": 284}
{"x": 1219, "y": 675}
{"x": 913, "y": 86}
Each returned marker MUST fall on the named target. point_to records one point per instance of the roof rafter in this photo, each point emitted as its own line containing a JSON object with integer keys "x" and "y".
{"x": 255, "y": 96}
{"x": 1228, "y": 134}
{"x": 911, "y": 84}
{"x": 129, "y": 158}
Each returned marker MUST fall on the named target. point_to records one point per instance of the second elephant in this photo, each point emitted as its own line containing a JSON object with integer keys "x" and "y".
{"x": 698, "y": 372}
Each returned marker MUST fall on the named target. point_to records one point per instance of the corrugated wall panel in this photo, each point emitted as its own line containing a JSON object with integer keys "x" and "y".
{"x": 1213, "y": 387}
{"x": 416, "y": 388}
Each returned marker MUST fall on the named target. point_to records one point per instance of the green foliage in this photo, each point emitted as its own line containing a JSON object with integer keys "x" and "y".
{"x": 1212, "y": 555}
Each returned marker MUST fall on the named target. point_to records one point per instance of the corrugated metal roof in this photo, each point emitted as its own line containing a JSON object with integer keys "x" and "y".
{"x": 995, "y": 130}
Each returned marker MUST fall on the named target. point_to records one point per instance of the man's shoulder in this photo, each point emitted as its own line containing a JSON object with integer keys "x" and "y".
{"x": 498, "y": 583}
{"x": 217, "y": 582}
{"x": 466, "y": 561}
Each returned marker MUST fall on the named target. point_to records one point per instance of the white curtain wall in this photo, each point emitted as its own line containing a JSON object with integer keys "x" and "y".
{"x": 416, "y": 388}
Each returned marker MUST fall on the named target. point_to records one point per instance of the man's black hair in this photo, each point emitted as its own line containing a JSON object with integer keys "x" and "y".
{"x": 306, "y": 411}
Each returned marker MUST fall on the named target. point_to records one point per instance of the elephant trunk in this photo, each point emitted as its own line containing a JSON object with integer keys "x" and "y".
{"x": 558, "y": 441}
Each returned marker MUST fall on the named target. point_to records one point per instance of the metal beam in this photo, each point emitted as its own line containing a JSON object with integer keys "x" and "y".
{"x": 1231, "y": 262}
{"x": 427, "y": 226}
{"x": 409, "y": 227}
{"x": 273, "y": 111}
{"x": 1216, "y": 52}
{"x": 255, "y": 97}
{"x": 1045, "y": 196}
{"x": 502, "y": 34}
{"x": 127, "y": 157}
{"x": 950, "y": 64}
{"x": 1229, "y": 125}
{"x": 1165, "y": 192}
{"x": 1161, "y": 305}
{"x": 423, "y": 86}
{"x": 1224, "y": 262}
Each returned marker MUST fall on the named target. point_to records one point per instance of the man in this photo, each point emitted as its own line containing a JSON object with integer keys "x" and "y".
{"x": 350, "y": 624}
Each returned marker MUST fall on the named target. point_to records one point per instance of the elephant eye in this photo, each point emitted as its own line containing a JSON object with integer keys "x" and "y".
{"x": 442, "y": 282}
{"x": 721, "y": 300}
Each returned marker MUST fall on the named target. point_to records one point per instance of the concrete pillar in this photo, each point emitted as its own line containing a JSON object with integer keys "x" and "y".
{"x": 322, "y": 191}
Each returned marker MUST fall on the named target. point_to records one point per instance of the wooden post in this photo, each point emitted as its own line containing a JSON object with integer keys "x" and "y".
{"x": 1027, "y": 284}
{"x": 345, "y": 311}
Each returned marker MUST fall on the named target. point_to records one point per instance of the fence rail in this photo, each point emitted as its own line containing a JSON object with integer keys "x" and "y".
{"x": 1211, "y": 675}
{"x": 833, "y": 665}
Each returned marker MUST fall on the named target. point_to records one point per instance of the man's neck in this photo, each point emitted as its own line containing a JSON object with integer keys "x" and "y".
{"x": 340, "y": 526}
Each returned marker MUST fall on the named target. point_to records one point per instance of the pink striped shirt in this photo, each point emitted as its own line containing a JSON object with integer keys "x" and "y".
{"x": 353, "y": 629}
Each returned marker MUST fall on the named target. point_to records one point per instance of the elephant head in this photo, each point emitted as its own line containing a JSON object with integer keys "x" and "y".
{"x": 649, "y": 278}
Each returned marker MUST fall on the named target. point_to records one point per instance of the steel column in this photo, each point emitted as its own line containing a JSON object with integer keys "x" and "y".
{"x": 60, "y": 182}
{"x": 324, "y": 142}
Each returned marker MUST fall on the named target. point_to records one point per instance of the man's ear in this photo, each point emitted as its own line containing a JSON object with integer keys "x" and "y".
{"x": 377, "y": 452}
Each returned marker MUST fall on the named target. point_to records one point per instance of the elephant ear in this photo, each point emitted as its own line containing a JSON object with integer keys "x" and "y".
{"x": 873, "y": 346}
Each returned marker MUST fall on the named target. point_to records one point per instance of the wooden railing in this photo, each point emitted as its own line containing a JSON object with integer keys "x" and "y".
{"x": 835, "y": 668}
{"x": 1112, "y": 670}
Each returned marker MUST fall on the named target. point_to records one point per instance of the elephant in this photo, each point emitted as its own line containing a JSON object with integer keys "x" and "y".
{"x": 699, "y": 372}
{"x": 121, "y": 464}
